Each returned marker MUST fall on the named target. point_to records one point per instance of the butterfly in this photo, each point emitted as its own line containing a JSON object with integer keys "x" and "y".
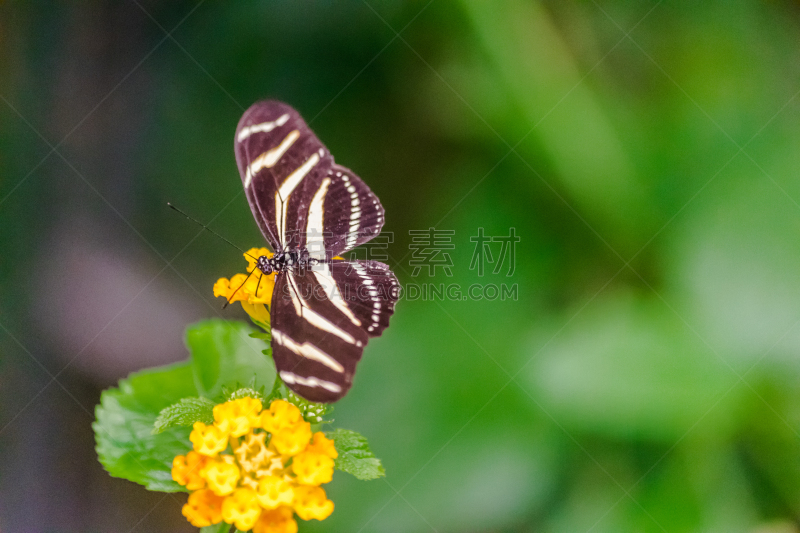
{"x": 311, "y": 210}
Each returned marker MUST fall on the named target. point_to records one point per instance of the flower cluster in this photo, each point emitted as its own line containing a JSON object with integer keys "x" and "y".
{"x": 273, "y": 468}
{"x": 253, "y": 290}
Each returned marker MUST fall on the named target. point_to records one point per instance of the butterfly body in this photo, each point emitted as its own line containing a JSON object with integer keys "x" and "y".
{"x": 311, "y": 210}
{"x": 285, "y": 262}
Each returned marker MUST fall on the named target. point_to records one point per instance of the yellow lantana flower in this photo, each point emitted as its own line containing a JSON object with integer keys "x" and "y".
{"x": 236, "y": 418}
{"x": 186, "y": 470}
{"x": 204, "y": 508}
{"x": 253, "y": 291}
{"x": 311, "y": 502}
{"x": 208, "y": 440}
{"x": 222, "y": 475}
{"x": 241, "y": 509}
{"x": 278, "y": 521}
{"x": 312, "y": 468}
{"x": 256, "y": 468}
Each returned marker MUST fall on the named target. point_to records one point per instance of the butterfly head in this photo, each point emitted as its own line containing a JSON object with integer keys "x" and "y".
{"x": 266, "y": 264}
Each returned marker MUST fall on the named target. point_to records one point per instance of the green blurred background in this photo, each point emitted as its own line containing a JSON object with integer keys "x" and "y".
{"x": 647, "y": 154}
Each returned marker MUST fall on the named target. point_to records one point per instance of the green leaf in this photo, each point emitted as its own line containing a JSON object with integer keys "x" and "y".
{"x": 355, "y": 457}
{"x": 265, "y": 336}
{"x": 185, "y": 413}
{"x": 222, "y": 527}
{"x": 224, "y": 353}
{"x": 125, "y": 443}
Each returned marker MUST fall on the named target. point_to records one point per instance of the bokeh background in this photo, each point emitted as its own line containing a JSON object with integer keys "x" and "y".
{"x": 647, "y": 153}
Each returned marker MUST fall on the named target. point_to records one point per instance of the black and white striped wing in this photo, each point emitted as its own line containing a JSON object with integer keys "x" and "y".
{"x": 316, "y": 340}
{"x": 299, "y": 197}
{"x": 321, "y": 321}
{"x": 282, "y": 164}
{"x": 371, "y": 290}
{"x": 351, "y": 214}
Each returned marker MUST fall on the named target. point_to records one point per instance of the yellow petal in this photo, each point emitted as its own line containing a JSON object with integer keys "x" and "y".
{"x": 241, "y": 509}
{"x": 312, "y": 468}
{"x": 203, "y": 508}
{"x": 273, "y": 492}
{"x": 311, "y": 502}
{"x": 279, "y": 520}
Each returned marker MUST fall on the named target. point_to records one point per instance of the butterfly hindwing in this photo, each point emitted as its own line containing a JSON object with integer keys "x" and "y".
{"x": 316, "y": 342}
{"x": 371, "y": 290}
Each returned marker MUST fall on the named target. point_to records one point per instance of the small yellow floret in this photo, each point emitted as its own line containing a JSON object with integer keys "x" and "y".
{"x": 254, "y": 290}
{"x": 281, "y": 415}
{"x": 252, "y": 453}
{"x": 241, "y": 509}
{"x": 311, "y": 502}
{"x": 279, "y": 520}
{"x": 208, "y": 440}
{"x": 237, "y": 417}
{"x": 292, "y": 440}
{"x": 273, "y": 492}
{"x": 321, "y": 444}
{"x": 222, "y": 475}
{"x": 186, "y": 470}
{"x": 312, "y": 468}
{"x": 290, "y": 433}
{"x": 222, "y": 287}
{"x": 204, "y": 508}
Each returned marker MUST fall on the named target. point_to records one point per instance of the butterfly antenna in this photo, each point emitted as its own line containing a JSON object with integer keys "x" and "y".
{"x": 211, "y": 231}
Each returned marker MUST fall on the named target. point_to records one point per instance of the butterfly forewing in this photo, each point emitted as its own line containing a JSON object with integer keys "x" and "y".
{"x": 282, "y": 164}
{"x": 352, "y": 213}
{"x": 299, "y": 197}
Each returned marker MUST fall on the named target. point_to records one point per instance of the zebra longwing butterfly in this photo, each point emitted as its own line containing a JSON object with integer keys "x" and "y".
{"x": 311, "y": 210}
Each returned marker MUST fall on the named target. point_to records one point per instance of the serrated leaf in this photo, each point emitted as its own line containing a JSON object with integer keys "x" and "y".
{"x": 185, "y": 413}
{"x": 224, "y": 353}
{"x": 355, "y": 457}
{"x": 125, "y": 443}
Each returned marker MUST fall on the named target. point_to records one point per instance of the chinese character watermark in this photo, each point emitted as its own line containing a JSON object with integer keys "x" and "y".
{"x": 483, "y": 252}
{"x": 375, "y": 250}
{"x": 429, "y": 249}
